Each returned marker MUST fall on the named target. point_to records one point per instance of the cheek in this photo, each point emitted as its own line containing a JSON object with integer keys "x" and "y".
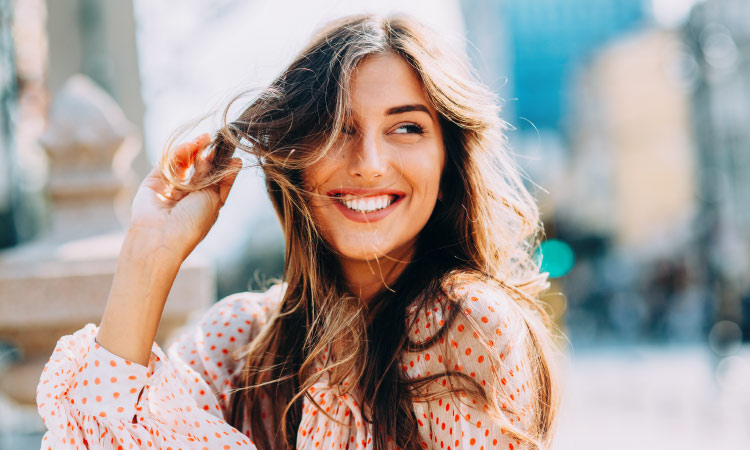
{"x": 427, "y": 172}
{"x": 325, "y": 169}
{"x": 314, "y": 178}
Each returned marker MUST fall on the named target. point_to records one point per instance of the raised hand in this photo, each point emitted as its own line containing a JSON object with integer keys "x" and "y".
{"x": 176, "y": 218}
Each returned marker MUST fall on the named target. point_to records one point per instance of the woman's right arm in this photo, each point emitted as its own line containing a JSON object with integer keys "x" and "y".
{"x": 114, "y": 387}
{"x": 166, "y": 225}
{"x": 139, "y": 291}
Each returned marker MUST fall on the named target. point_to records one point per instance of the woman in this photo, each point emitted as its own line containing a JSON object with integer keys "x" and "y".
{"x": 408, "y": 315}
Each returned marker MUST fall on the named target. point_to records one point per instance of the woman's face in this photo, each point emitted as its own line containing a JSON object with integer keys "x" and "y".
{"x": 376, "y": 189}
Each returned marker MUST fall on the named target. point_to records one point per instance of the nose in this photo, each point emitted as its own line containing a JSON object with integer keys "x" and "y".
{"x": 368, "y": 160}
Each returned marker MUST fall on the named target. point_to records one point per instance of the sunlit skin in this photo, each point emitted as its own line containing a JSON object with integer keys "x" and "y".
{"x": 392, "y": 146}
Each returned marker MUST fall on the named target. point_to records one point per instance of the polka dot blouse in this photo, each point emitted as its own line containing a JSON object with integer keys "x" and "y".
{"x": 91, "y": 398}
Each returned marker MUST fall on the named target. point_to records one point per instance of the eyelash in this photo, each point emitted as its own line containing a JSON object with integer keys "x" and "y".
{"x": 416, "y": 129}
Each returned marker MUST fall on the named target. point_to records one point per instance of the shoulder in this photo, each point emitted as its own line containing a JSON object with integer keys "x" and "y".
{"x": 476, "y": 328}
{"x": 467, "y": 305}
{"x": 475, "y": 335}
{"x": 472, "y": 358}
{"x": 211, "y": 348}
{"x": 252, "y": 309}
{"x": 226, "y": 327}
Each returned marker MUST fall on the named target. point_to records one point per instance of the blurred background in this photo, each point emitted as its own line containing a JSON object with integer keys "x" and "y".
{"x": 630, "y": 118}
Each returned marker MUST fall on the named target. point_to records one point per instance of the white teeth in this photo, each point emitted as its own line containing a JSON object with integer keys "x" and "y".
{"x": 368, "y": 204}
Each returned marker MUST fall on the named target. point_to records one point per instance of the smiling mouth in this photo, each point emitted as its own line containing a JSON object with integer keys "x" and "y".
{"x": 366, "y": 204}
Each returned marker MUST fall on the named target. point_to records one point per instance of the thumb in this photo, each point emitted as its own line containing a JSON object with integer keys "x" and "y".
{"x": 225, "y": 185}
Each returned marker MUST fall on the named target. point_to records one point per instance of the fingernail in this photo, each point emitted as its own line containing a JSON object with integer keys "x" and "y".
{"x": 203, "y": 139}
{"x": 188, "y": 175}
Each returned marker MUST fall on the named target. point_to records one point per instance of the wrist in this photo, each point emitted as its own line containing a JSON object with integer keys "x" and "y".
{"x": 150, "y": 247}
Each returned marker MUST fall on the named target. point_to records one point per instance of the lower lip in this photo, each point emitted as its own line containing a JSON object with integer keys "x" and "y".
{"x": 367, "y": 217}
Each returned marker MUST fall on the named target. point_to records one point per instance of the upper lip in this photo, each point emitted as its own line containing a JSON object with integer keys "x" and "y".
{"x": 365, "y": 192}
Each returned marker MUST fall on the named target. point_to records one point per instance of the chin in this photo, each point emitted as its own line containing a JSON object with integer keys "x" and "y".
{"x": 370, "y": 250}
{"x": 359, "y": 252}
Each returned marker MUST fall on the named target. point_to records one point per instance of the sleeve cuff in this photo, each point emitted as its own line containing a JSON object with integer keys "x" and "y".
{"x": 89, "y": 397}
{"x": 107, "y": 385}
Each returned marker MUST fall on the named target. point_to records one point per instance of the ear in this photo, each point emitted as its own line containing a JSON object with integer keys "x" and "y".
{"x": 440, "y": 195}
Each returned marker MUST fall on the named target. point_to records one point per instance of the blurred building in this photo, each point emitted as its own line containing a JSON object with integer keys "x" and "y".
{"x": 548, "y": 38}
{"x": 528, "y": 53}
{"x": 631, "y": 140}
{"x": 631, "y": 181}
{"x": 637, "y": 140}
{"x": 718, "y": 34}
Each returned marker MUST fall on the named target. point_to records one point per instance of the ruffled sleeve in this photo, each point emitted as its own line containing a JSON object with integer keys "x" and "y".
{"x": 91, "y": 398}
{"x": 478, "y": 337}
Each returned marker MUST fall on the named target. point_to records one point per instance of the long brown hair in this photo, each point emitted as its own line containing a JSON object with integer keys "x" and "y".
{"x": 485, "y": 224}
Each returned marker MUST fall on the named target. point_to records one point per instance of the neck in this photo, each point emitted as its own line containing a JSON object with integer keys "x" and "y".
{"x": 366, "y": 278}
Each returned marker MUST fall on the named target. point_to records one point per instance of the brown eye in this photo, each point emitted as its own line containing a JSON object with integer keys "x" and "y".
{"x": 409, "y": 128}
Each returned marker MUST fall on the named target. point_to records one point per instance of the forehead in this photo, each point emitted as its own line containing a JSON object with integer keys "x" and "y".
{"x": 382, "y": 81}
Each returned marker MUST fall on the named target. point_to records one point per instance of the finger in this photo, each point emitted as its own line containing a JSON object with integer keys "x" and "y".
{"x": 184, "y": 155}
{"x": 226, "y": 184}
{"x": 155, "y": 172}
{"x": 203, "y": 140}
{"x": 203, "y": 162}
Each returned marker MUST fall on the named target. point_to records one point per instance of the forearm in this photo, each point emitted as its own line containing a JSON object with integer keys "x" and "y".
{"x": 145, "y": 273}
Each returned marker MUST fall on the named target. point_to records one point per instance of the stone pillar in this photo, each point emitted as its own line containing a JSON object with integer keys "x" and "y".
{"x": 59, "y": 282}
{"x": 97, "y": 38}
{"x": 90, "y": 145}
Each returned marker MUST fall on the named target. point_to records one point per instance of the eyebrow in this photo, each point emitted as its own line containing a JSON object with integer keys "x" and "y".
{"x": 407, "y": 108}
